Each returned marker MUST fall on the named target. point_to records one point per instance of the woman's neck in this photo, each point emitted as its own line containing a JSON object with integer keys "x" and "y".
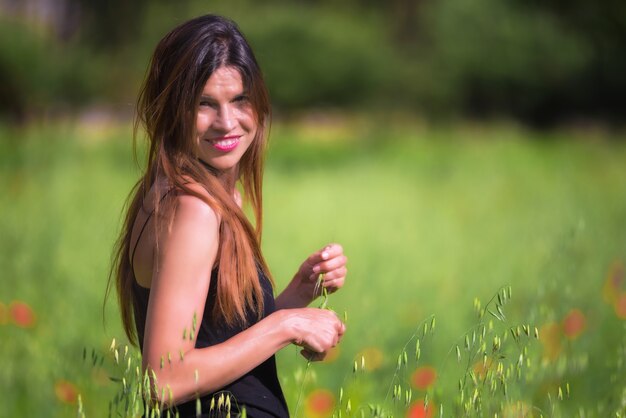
{"x": 227, "y": 178}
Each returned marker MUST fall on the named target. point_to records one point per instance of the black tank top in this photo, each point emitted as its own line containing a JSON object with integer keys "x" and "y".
{"x": 259, "y": 389}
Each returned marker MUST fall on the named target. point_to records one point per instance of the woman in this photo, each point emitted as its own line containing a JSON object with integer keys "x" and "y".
{"x": 193, "y": 286}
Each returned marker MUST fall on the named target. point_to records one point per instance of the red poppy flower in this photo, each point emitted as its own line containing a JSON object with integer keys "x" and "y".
{"x": 424, "y": 377}
{"x": 320, "y": 403}
{"x": 66, "y": 392}
{"x": 418, "y": 410}
{"x": 22, "y": 314}
{"x": 574, "y": 324}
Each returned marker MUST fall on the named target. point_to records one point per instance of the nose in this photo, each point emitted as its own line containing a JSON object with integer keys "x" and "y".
{"x": 224, "y": 120}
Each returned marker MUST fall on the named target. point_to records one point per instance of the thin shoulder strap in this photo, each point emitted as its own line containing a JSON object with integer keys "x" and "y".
{"x": 145, "y": 223}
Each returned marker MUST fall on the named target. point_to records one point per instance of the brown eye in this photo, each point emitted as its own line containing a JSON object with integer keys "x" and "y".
{"x": 206, "y": 102}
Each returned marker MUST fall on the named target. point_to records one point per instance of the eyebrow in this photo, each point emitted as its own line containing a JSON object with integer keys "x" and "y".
{"x": 237, "y": 96}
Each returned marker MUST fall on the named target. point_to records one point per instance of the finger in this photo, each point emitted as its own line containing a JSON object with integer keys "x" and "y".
{"x": 333, "y": 283}
{"x": 326, "y": 253}
{"x": 333, "y": 287}
{"x": 330, "y": 251}
{"x": 339, "y": 273}
{"x": 330, "y": 264}
{"x": 319, "y": 256}
{"x": 339, "y": 327}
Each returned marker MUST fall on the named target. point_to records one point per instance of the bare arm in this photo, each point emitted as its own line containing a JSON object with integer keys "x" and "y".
{"x": 179, "y": 289}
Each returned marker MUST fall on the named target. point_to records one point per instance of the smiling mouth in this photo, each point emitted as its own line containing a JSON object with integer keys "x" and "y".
{"x": 225, "y": 143}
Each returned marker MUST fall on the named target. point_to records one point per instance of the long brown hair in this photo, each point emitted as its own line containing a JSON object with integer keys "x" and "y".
{"x": 181, "y": 64}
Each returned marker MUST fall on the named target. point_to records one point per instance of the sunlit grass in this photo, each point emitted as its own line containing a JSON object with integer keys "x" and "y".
{"x": 430, "y": 218}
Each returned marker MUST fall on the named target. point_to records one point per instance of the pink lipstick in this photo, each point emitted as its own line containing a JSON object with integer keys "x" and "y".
{"x": 225, "y": 143}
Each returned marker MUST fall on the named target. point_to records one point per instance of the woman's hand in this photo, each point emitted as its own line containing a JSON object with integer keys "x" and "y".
{"x": 330, "y": 263}
{"x": 315, "y": 330}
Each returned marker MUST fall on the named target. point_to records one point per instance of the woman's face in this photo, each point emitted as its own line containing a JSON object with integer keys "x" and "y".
{"x": 225, "y": 122}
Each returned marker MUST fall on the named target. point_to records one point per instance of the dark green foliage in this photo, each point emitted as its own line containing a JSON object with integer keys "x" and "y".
{"x": 40, "y": 74}
{"x": 499, "y": 58}
{"x": 539, "y": 62}
{"x": 316, "y": 58}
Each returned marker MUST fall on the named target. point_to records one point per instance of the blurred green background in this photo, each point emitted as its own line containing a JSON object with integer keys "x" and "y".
{"x": 536, "y": 61}
{"x": 452, "y": 147}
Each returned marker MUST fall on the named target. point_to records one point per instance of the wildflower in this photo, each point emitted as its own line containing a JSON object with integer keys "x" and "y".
{"x": 424, "y": 377}
{"x": 613, "y": 283}
{"x": 517, "y": 409}
{"x": 574, "y": 324}
{"x": 550, "y": 337}
{"x": 620, "y": 306}
{"x": 320, "y": 403}
{"x": 66, "y": 392}
{"x": 482, "y": 367}
{"x": 22, "y": 314}
{"x": 373, "y": 358}
{"x": 332, "y": 355}
{"x": 419, "y": 410}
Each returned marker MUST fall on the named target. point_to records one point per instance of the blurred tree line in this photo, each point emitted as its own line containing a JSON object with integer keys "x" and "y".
{"x": 537, "y": 61}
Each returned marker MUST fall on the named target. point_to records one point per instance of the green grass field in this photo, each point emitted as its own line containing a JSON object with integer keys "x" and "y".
{"x": 430, "y": 217}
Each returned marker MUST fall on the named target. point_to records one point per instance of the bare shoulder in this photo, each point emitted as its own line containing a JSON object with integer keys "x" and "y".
{"x": 190, "y": 238}
{"x": 190, "y": 208}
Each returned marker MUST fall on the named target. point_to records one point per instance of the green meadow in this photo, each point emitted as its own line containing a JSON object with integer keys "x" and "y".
{"x": 499, "y": 233}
